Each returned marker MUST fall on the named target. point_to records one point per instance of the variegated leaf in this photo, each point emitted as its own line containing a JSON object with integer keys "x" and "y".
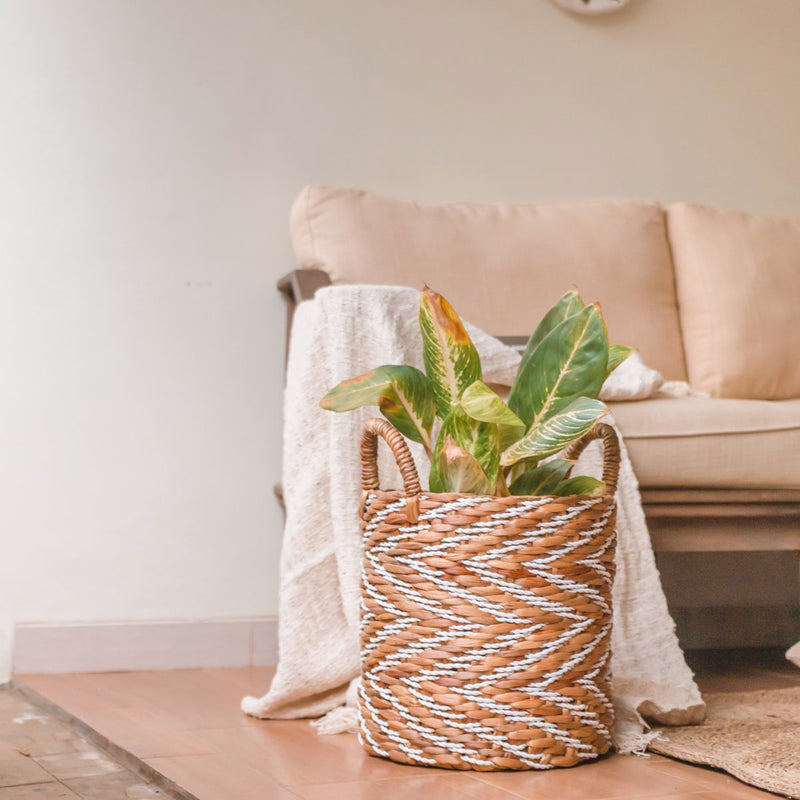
{"x": 567, "y": 306}
{"x": 451, "y": 360}
{"x": 617, "y": 353}
{"x": 403, "y": 394}
{"x": 459, "y": 471}
{"x": 484, "y": 405}
{"x": 542, "y": 480}
{"x": 480, "y": 439}
{"x": 580, "y": 484}
{"x": 556, "y": 432}
{"x": 569, "y": 362}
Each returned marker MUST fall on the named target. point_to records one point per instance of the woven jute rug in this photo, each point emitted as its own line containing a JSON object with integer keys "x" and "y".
{"x": 754, "y": 736}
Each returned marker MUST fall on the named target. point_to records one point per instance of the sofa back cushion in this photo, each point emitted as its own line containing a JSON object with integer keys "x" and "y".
{"x": 738, "y": 282}
{"x": 503, "y": 266}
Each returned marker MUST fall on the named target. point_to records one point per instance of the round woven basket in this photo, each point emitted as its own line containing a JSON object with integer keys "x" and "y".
{"x": 486, "y": 621}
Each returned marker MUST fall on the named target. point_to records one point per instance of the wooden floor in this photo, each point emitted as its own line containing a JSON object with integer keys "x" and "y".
{"x": 187, "y": 725}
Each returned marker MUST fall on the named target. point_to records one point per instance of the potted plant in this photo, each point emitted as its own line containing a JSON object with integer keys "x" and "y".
{"x": 486, "y": 615}
{"x": 485, "y": 445}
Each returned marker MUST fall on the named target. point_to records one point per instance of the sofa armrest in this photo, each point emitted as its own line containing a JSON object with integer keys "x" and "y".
{"x": 299, "y": 285}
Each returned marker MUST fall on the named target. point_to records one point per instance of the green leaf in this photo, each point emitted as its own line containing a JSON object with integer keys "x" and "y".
{"x": 542, "y": 480}
{"x": 484, "y": 405}
{"x": 459, "y": 471}
{"x": 403, "y": 394}
{"x": 556, "y": 432}
{"x": 480, "y": 439}
{"x": 524, "y": 465}
{"x": 567, "y": 306}
{"x": 617, "y": 353}
{"x": 451, "y": 360}
{"x": 580, "y": 484}
{"x": 569, "y": 362}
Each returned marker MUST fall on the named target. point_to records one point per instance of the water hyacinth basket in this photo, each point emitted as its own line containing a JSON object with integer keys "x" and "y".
{"x": 486, "y": 621}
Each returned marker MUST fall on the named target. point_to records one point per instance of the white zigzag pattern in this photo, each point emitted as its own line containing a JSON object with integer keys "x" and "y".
{"x": 474, "y": 691}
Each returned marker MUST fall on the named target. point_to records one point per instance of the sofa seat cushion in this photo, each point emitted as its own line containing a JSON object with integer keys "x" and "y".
{"x": 738, "y": 280}
{"x": 712, "y": 443}
{"x": 502, "y": 266}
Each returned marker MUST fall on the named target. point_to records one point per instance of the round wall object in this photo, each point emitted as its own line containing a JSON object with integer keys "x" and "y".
{"x": 592, "y": 6}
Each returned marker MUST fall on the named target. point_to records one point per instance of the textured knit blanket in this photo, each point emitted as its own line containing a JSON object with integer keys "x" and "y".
{"x": 343, "y": 332}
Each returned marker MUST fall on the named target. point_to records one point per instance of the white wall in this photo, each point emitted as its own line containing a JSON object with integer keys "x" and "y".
{"x": 150, "y": 151}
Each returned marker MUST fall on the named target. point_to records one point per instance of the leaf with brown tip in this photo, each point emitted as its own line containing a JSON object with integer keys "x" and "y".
{"x": 459, "y": 471}
{"x": 480, "y": 439}
{"x": 403, "y": 394}
{"x": 451, "y": 360}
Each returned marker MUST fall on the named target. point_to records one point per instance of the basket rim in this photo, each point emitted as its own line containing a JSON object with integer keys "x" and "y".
{"x": 502, "y": 498}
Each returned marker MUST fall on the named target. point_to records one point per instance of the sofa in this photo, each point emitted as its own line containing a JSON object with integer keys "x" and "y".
{"x": 707, "y": 296}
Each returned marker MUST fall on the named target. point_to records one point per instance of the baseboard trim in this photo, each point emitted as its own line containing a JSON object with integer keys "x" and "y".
{"x": 182, "y": 644}
{"x": 717, "y": 627}
{"x": 122, "y": 646}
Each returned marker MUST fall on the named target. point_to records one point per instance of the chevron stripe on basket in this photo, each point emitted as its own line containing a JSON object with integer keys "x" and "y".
{"x": 485, "y": 629}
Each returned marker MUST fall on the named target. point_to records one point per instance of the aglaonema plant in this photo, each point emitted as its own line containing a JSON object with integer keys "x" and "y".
{"x": 481, "y": 443}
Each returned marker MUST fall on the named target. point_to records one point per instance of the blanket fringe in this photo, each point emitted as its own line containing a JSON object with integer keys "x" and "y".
{"x": 635, "y": 742}
{"x": 342, "y": 719}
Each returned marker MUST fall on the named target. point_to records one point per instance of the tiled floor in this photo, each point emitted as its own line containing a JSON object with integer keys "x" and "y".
{"x": 186, "y": 724}
{"x": 42, "y": 758}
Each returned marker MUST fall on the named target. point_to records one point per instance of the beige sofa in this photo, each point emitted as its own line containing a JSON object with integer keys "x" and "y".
{"x": 707, "y": 296}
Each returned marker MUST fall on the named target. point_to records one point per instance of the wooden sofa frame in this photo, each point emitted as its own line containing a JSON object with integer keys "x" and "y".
{"x": 732, "y": 519}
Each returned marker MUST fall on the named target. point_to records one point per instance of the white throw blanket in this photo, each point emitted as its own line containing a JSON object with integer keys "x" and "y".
{"x": 343, "y": 332}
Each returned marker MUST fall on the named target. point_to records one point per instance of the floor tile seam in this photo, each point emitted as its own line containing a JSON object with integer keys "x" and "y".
{"x": 733, "y": 790}
{"x": 97, "y": 727}
{"x": 247, "y": 768}
{"x": 706, "y": 772}
{"x": 122, "y": 768}
{"x": 119, "y": 754}
{"x": 485, "y": 778}
{"x": 236, "y": 726}
{"x": 149, "y": 756}
{"x": 386, "y": 779}
{"x": 670, "y": 766}
{"x": 620, "y": 795}
{"x": 69, "y": 788}
{"x": 464, "y": 774}
{"x": 28, "y": 783}
{"x": 291, "y": 792}
{"x": 714, "y": 792}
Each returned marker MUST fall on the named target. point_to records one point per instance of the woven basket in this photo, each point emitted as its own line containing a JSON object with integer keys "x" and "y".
{"x": 486, "y": 621}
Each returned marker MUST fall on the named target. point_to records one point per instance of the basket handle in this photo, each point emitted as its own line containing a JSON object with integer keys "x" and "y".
{"x": 373, "y": 428}
{"x": 610, "y": 452}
